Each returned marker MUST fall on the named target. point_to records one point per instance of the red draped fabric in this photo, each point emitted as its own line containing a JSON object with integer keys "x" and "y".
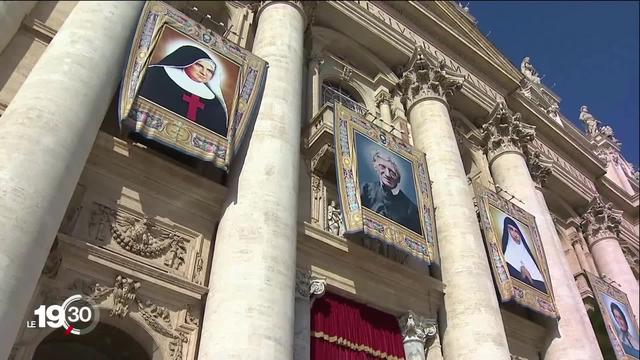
{"x": 342, "y": 329}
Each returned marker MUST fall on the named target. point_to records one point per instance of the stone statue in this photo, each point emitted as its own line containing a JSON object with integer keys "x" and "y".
{"x": 554, "y": 112}
{"x": 529, "y": 71}
{"x": 589, "y": 121}
{"x": 334, "y": 219}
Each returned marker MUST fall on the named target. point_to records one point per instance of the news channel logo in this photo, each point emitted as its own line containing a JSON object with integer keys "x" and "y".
{"x": 78, "y": 315}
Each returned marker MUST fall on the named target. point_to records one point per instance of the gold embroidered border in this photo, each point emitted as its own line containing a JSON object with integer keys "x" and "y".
{"x": 357, "y": 347}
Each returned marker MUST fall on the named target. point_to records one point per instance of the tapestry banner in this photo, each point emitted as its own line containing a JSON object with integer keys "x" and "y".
{"x": 618, "y": 318}
{"x": 187, "y": 87}
{"x": 516, "y": 255}
{"x": 384, "y": 187}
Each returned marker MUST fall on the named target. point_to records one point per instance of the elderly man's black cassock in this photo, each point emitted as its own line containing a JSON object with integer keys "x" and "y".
{"x": 158, "y": 87}
{"x": 398, "y": 208}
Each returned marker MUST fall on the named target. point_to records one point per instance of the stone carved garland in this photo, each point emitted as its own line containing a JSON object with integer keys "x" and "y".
{"x": 504, "y": 132}
{"x": 425, "y": 77}
{"x": 600, "y": 220}
{"x": 124, "y": 292}
{"x": 138, "y": 236}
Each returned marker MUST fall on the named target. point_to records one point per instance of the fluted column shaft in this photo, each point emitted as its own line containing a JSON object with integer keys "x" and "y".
{"x": 474, "y": 328}
{"x": 575, "y": 338}
{"x": 46, "y": 134}
{"x": 471, "y": 325}
{"x": 11, "y": 15}
{"x": 611, "y": 262}
{"x": 249, "y": 312}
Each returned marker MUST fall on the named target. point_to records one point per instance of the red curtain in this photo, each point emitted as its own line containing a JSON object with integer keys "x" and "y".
{"x": 342, "y": 329}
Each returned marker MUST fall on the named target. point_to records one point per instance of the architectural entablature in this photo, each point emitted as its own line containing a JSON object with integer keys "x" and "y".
{"x": 376, "y": 25}
{"x": 567, "y": 138}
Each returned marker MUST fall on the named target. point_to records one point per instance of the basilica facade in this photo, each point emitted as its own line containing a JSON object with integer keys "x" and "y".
{"x": 184, "y": 260}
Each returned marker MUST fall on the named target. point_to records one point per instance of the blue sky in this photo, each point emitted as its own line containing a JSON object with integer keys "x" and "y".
{"x": 586, "y": 50}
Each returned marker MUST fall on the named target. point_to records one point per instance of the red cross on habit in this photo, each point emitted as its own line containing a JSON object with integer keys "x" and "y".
{"x": 194, "y": 104}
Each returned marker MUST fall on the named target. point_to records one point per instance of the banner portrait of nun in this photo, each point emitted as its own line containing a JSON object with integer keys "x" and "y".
{"x": 187, "y": 81}
{"x": 520, "y": 260}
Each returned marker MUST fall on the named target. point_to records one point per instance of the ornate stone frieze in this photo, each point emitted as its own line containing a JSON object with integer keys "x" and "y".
{"x": 141, "y": 237}
{"x": 137, "y": 235}
{"x": 504, "y": 132}
{"x": 158, "y": 318}
{"x": 570, "y": 171}
{"x": 426, "y": 77}
{"x": 123, "y": 290}
{"x": 539, "y": 168}
{"x": 309, "y": 286}
{"x": 600, "y": 220}
{"x": 416, "y": 328}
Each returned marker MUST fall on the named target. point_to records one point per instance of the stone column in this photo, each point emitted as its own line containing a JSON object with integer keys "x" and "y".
{"x": 308, "y": 288}
{"x": 415, "y": 331}
{"x": 46, "y": 135}
{"x": 576, "y": 243}
{"x": 11, "y": 15}
{"x": 250, "y": 308}
{"x": 315, "y": 91}
{"x": 504, "y": 137}
{"x": 472, "y": 327}
{"x": 383, "y": 102}
{"x": 601, "y": 227}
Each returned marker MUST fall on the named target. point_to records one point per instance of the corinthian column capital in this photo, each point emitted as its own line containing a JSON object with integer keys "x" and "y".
{"x": 600, "y": 220}
{"x": 309, "y": 286}
{"x": 416, "y": 328}
{"x": 427, "y": 77}
{"x": 504, "y": 132}
{"x": 539, "y": 168}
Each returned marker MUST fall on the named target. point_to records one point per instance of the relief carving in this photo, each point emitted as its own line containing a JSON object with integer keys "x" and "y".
{"x": 141, "y": 237}
{"x": 100, "y": 223}
{"x": 198, "y": 269}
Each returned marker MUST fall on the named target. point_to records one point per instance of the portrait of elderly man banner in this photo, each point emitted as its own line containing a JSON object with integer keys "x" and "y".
{"x": 383, "y": 185}
{"x": 618, "y": 318}
{"x": 516, "y": 254}
{"x": 188, "y": 88}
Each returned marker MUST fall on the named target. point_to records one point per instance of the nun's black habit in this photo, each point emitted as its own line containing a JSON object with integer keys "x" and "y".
{"x": 166, "y": 84}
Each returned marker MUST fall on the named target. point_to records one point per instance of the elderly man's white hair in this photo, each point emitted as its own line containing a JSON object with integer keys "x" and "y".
{"x": 377, "y": 154}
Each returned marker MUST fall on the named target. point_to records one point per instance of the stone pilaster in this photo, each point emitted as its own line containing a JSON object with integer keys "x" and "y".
{"x": 46, "y": 134}
{"x": 415, "y": 332}
{"x": 601, "y": 227}
{"x": 473, "y": 327}
{"x": 308, "y": 288}
{"x": 383, "y": 103}
{"x": 505, "y": 136}
{"x": 249, "y": 312}
{"x": 11, "y": 15}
